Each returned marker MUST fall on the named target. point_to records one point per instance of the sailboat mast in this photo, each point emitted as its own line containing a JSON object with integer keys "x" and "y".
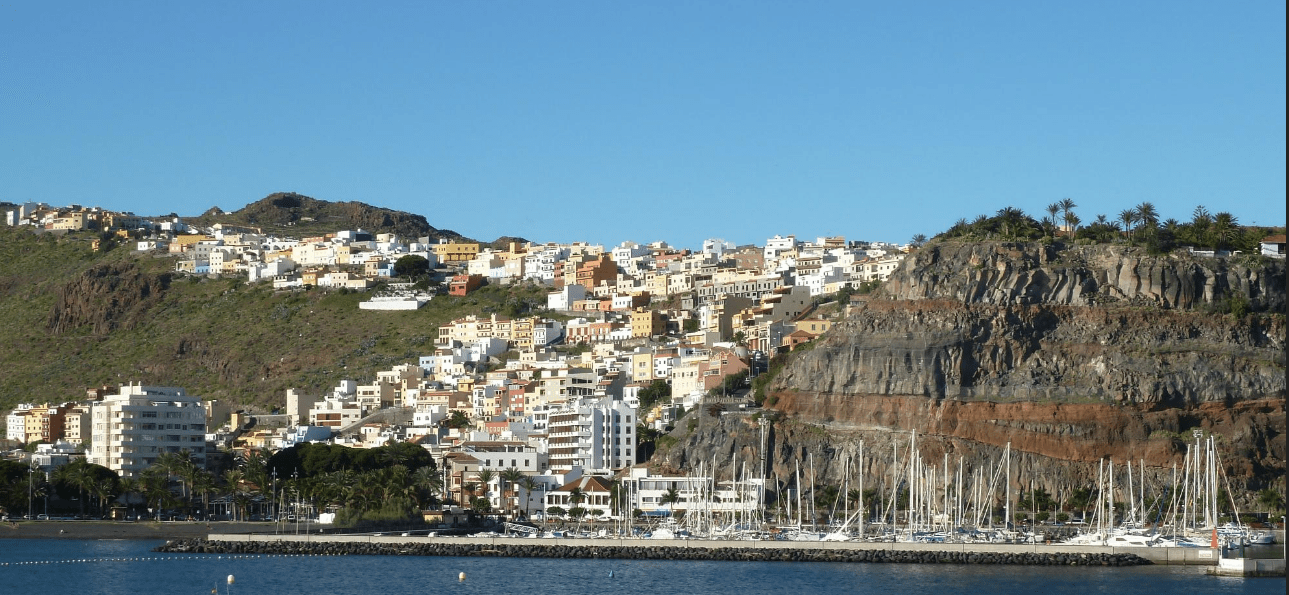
{"x": 1007, "y": 508}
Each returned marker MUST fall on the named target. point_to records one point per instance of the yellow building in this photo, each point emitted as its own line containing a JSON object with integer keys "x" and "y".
{"x": 647, "y": 323}
{"x": 455, "y": 253}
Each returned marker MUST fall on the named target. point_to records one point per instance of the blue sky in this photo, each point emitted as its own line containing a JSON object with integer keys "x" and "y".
{"x": 644, "y": 121}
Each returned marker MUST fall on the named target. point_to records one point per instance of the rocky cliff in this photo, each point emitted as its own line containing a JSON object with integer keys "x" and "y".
{"x": 1032, "y": 274}
{"x": 1070, "y": 356}
{"x": 107, "y": 297}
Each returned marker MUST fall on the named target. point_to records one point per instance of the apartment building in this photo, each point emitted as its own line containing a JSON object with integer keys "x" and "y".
{"x": 139, "y": 423}
{"x": 591, "y": 434}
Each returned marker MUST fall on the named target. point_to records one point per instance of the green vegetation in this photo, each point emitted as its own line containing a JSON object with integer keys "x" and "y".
{"x": 657, "y": 392}
{"x": 216, "y": 338}
{"x": 1139, "y": 225}
{"x": 761, "y": 383}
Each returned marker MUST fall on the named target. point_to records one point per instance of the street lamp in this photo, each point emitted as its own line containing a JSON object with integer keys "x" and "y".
{"x": 295, "y": 476}
{"x": 273, "y": 509}
{"x": 31, "y": 479}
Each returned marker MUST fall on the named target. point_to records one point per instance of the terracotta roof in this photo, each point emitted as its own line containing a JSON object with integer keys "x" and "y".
{"x": 587, "y": 483}
{"x": 1280, "y": 239}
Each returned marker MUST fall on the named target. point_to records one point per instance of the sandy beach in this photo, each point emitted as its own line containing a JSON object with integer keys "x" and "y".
{"x": 124, "y": 530}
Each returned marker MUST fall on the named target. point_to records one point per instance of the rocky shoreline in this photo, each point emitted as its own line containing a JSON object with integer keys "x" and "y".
{"x": 660, "y": 552}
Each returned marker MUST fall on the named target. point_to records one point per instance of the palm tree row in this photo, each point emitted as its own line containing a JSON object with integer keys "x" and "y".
{"x": 1138, "y": 225}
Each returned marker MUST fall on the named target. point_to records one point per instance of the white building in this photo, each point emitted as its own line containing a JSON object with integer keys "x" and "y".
{"x": 564, "y": 298}
{"x": 16, "y": 423}
{"x": 132, "y": 428}
{"x": 594, "y": 434}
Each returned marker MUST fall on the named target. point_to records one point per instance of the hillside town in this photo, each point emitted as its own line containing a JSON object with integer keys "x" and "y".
{"x": 633, "y": 336}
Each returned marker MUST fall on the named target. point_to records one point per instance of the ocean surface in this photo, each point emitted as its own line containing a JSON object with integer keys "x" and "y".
{"x": 126, "y": 567}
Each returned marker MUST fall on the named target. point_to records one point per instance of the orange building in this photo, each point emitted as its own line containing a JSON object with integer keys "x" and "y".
{"x": 463, "y": 284}
{"x": 592, "y": 272}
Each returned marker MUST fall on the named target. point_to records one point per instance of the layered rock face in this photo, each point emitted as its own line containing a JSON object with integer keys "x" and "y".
{"x": 1015, "y": 274}
{"x": 1070, "y": 357}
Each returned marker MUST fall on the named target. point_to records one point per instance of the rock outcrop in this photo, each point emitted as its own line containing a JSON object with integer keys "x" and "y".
{"x": 290, "y": 208}
{"x": 107, "y": 297}
{"x": 1068, "y": 356}
{"x": 1032, "y": 274}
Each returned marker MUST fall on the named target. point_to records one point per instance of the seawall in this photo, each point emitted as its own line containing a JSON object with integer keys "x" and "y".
{"x": 680, "y": 549}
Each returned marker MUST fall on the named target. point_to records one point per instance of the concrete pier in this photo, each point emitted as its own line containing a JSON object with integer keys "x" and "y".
{"x": 1249, "y": 567}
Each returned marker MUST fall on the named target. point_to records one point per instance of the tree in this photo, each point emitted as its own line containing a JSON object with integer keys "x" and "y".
{"x": 411, "y": 266}
{"x": 84, "y": 476}
{"x": 918, "y": 240}
{"x": 529, "y": 485}
{"x": 1225, "y": 229}
{"x": 1052, "y": 210}
{"x": 485, "y": 478}
{"x": 428, "y": 483}
{"x": 1071, "y": 223}
{"x": 652, "y": 394}
{"x": 510, "y": 476}
{"x": 1270, "y": 500}
{"x": 457, "y": 420}
{"x": 1127, "y": 217}
{"x": 1067, "y": 205}
{"x": 669, "y": 499}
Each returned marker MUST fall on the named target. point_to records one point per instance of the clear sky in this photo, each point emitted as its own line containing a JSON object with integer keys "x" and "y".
{"x": 677, "y": 121}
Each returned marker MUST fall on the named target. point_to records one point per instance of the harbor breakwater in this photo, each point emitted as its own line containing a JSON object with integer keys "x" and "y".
{"x": 644, "y": 549}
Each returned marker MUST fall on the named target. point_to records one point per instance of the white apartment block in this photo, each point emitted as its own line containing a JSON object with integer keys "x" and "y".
{"x": 335, "y": 413}
{"x": 564, "y": 298}
{"x": 132, "y": 428}
{"x": 16, "y": 423}
{"x": 593, "y": 434}
{"x": 879, "y": 269}
{"x": 776, "y": 246}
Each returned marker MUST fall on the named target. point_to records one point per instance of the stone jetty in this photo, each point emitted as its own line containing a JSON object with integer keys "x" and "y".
{"x": 648, "y": 550}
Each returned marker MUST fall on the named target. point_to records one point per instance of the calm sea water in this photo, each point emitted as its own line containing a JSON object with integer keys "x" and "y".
{"x": 129, "y": 567}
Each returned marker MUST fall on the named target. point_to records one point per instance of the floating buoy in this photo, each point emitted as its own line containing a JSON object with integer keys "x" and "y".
{"x": 461, "y": 577}
{"x": 230, "y": 579}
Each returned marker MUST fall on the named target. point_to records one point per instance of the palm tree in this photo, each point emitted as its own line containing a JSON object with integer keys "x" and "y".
{"x": 1127, "y": 217}
{"x": 80, "y": 475}
{"x": 510, "y": 476}
{"x": 427, "y": 480}
{"x": 1071, "y": 222}
{"x": 1010, "y": 218}
{"x": 129, "y": 486}
{"x": 1052, "y": 210}
{"x": 576, "y": 496}
{"x": 1225, "y": 229}
{"x": 234, "y": 478}
{"x": 669, "y": 498}
{"x": 485, "y": 478}
{"x": 104, "y": 489}
{"x": 1067, "y": 205}
{"x": 529, "y": 485}
{"x": 1147, "y": 214}
{"x": 1148, "y": 217}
